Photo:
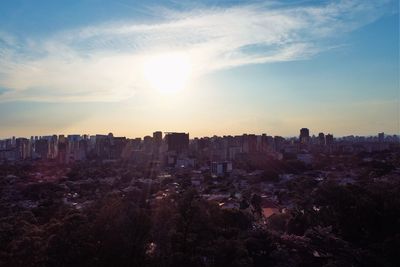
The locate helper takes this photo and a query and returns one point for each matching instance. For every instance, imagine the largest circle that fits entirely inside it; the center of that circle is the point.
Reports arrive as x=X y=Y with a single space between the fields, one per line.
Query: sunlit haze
x=168 y=72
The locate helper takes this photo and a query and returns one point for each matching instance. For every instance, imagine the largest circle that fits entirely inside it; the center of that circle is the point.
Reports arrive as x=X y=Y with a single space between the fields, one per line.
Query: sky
x=203 y=67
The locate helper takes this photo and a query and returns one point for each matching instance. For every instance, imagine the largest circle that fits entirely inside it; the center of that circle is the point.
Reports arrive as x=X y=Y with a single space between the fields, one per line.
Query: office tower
x=22 y=148
x=157 y=137
x=42 y=148
x=53 y=147
x=83 y=149
x=304 y=136
x=103 y=146
x=136 y=143
x=249 y=143
x=321 y=139
x=118 y=147
x=62 y=149
x=329 y=139
x=177 y=142
x=73 y=146
x=157 y=142
x=264 y=142
x=147 y=143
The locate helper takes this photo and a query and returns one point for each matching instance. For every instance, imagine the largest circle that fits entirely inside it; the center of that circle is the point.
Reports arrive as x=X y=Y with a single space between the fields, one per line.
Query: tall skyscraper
x=329 y=139
x=249 y=144
x=23 y=148
x=147 y=143
x=304 y=136
x=321 y=139
x=177 y=142
x=62 y=149
x=42 y=148
x=157 y=137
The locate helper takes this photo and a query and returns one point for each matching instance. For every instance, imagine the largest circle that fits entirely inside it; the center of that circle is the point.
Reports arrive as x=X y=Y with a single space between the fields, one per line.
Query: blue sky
x=259 y=66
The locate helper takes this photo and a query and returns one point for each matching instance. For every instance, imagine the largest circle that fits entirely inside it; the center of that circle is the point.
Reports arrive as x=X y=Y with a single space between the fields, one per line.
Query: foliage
x=329 y=225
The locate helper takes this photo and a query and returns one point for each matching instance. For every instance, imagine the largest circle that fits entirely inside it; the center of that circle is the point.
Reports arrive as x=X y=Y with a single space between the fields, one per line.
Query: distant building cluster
x=178 y=150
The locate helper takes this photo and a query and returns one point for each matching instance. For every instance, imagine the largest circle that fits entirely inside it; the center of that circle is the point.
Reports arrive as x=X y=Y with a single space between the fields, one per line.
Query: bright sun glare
x=168 y=72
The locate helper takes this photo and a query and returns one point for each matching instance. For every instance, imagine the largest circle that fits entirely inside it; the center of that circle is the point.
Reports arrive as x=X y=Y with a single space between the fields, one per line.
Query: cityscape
x=274 y=193
x=173 y=149
x=200 y=133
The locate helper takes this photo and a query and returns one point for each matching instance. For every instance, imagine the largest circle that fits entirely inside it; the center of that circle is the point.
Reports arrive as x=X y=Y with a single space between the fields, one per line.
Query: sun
x=168 y=72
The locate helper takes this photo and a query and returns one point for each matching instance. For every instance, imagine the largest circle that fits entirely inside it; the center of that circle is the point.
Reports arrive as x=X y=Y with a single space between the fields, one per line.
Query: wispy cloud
x=105 y=62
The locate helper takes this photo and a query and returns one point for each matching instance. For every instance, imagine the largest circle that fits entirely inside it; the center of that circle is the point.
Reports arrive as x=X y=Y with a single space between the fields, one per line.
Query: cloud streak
x=105 y=62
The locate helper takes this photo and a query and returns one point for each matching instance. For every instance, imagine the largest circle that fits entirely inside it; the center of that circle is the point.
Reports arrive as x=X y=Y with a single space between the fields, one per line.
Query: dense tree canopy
x=330 y=224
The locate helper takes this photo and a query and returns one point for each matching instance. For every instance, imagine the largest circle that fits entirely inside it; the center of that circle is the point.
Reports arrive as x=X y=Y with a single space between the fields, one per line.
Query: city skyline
x=314 y=134
x=204 y=67
x=180 y=150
